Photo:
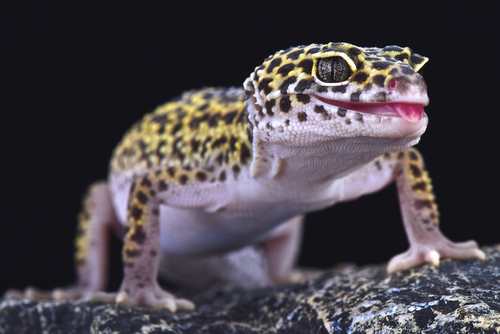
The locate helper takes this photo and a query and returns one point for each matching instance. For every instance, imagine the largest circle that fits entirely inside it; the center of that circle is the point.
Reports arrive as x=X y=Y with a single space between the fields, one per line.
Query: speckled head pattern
x=339 y=83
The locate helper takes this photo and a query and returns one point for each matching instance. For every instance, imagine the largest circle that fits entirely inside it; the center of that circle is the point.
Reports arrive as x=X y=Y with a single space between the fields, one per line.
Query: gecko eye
x=333 y=69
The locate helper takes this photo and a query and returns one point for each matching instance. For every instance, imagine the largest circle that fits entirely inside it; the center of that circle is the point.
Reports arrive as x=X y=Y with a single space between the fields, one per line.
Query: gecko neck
x=319 y=161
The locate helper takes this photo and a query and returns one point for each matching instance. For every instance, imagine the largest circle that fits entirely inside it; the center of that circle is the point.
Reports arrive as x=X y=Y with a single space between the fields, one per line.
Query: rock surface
x=456 y=297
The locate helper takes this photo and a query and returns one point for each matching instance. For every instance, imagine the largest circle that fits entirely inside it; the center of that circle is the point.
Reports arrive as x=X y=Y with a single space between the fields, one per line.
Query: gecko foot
x=152 y=296
x=73 y=292
x=432 y=252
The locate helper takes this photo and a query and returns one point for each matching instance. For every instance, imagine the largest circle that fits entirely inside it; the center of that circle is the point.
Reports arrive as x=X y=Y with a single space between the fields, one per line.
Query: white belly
x=245 y=211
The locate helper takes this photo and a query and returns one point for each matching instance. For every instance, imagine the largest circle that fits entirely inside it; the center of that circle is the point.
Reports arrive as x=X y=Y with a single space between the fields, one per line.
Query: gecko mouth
x=412 y=112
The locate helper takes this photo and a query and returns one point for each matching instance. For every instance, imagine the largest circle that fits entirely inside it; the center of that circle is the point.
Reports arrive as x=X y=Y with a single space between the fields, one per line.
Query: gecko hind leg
x=95 y=221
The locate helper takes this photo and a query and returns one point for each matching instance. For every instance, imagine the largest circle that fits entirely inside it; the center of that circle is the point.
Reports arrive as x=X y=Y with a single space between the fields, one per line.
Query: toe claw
x=184 y=304
x=433 y=258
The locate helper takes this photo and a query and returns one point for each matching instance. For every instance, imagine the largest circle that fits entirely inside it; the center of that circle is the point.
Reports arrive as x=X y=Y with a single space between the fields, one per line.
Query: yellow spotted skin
x=410 y=169
x=204 y=129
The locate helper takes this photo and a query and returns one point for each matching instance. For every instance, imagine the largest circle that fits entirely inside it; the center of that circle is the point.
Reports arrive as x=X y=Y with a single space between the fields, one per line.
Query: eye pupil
x=333 y=69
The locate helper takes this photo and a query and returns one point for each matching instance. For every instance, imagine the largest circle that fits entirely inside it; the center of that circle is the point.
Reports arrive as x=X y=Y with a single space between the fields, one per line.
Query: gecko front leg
x=141 y=248
x=421 y=218
x=418 y=207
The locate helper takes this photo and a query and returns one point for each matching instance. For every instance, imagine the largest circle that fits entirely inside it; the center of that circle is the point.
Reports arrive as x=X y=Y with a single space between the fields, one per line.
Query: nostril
x=392 y=84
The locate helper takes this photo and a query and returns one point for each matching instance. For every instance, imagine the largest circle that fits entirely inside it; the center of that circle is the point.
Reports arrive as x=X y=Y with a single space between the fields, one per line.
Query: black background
x=76 y=76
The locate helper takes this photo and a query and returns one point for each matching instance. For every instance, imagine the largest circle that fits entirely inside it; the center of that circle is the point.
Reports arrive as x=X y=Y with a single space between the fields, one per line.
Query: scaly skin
x=205 y=175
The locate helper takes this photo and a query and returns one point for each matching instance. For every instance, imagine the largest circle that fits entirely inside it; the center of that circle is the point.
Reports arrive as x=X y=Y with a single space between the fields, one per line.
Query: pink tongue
x=409 y=111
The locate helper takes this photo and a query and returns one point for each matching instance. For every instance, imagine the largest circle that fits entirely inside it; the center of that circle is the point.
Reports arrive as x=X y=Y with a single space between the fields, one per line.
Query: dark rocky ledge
x=456 y=297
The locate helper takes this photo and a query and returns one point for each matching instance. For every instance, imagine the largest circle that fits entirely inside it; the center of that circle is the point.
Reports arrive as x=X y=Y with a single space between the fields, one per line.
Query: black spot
x=152 y=193
x=219 y=142
x=360 y=77
x=276 y=62
x=339 y=89
x=140 y=285
x=220 y=158
x=415 y=171
x=348 y=121
x=407 y=70
x=139 y=236
x=381 y=65
x=222 y=176
x=162 y=185
x=378 y=165
x=207 y=95
x=269 y=106
x=392 y=48
x=307 y=65
x=379 y=80
x=393 y=71
x=136 y=213
x=354 y=51
x=419 y=186
x=341 y=112
x=303 y=85
x=171 y=171
x=304 y=98
x=423 y=203
x=285 y=69
x=183 y=179
x=236 y=169
x=401 y=155
x=176 y=128
x=229 y=117
x=249 y=133
x=232 y=143
x=319 y=109
x=313 y=50
x=132 y=253
x=264 y=85
x=153 y=252
x=141 y=197
x=195 y=122
x=195 y=145
x=401 y=57
x=294 y=55
x=355 y=97
x=302 y=116
x=176 y=149
x=200 y=176
x=212 y=122
x=321 y=89
x=416 y=59
x=145 y=182
x=286 y=83
x=203 y=107
x=285 y=104
x=426 y=221
x=358 y=117
x=413 y=155
x=159 y=119
x=380 y=97
x=244 y=154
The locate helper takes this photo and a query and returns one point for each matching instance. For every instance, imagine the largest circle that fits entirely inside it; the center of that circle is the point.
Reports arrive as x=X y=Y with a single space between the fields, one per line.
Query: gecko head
x=335 y=91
